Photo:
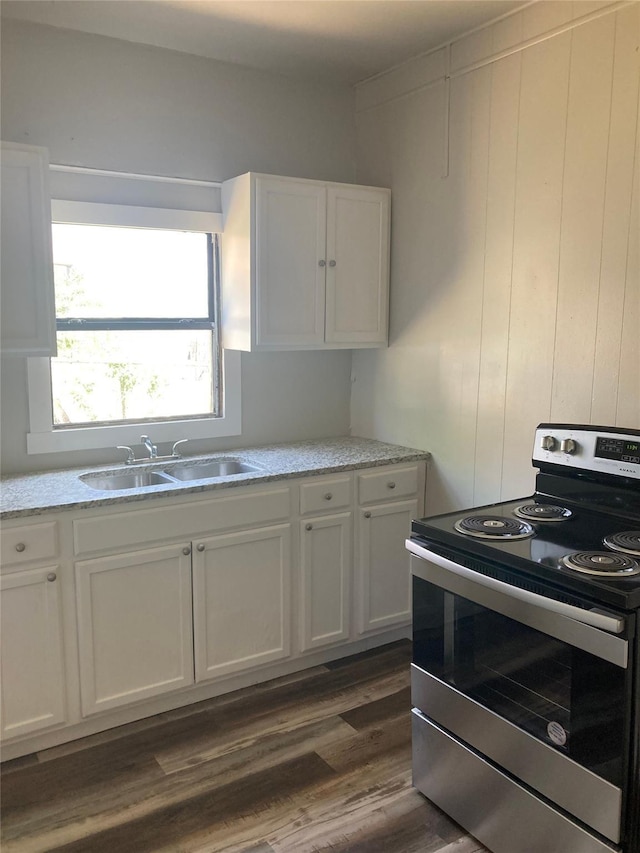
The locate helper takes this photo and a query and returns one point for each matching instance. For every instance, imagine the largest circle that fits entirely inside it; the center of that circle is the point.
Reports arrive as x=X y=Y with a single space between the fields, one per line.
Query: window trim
x=43 y=437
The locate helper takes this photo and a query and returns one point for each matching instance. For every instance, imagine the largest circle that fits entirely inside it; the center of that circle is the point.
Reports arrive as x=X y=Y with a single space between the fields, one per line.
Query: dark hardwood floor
x=316 y=761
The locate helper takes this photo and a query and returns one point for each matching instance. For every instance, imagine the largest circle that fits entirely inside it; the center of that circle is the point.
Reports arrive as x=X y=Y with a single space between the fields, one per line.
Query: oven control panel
x=603 y=449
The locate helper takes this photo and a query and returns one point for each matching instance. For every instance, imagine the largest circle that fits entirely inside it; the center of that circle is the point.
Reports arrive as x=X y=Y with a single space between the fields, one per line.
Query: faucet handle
x=131 y=458
x=173 y=449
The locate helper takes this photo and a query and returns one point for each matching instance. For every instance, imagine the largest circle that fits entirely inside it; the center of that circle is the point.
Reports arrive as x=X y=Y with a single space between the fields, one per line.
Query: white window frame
x=43 y=437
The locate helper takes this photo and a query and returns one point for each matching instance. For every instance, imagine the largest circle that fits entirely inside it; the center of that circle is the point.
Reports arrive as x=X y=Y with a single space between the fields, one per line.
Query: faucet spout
x=152 y=448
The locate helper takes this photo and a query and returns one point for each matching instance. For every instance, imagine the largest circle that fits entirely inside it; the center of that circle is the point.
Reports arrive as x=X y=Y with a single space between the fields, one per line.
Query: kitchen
x=514 y=211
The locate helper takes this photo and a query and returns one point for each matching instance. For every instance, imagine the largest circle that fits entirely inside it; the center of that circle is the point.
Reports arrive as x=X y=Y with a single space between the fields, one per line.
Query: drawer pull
x=328 y=496
x=51 y=577
x=391 y=484
x=186 y=550
x=20 y=547
x=308 y=527
x=367 y=515
x=200 y=547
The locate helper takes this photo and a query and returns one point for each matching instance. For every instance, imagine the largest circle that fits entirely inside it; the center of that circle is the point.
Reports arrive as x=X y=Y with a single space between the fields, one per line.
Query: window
x=137 y=306
x=136 y=325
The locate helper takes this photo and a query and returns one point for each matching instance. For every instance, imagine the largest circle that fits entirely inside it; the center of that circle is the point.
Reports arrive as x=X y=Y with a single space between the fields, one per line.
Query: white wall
x=108 y=104
x=515 y=280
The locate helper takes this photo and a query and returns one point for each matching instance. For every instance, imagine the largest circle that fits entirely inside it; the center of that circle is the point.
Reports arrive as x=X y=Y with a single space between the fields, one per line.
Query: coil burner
x=602 y=563
x=627 y=542
x=543 y=512
x=493 y=527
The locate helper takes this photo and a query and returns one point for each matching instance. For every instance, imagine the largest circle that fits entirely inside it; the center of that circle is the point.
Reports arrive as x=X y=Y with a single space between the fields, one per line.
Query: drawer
x=325 y=495
x=237 y=508
x=28 y=543
x=388 y=484
x=469 y=789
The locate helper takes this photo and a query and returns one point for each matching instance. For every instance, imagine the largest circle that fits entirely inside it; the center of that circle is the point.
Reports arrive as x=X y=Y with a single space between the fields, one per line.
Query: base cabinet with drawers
x=382 y=565
x=171 y=601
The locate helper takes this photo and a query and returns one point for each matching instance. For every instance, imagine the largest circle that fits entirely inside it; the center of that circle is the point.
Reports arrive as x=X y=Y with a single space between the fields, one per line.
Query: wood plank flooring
x=316 y=761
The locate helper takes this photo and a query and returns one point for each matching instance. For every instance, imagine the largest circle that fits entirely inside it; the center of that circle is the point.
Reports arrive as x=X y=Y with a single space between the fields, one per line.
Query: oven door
x=537 y=686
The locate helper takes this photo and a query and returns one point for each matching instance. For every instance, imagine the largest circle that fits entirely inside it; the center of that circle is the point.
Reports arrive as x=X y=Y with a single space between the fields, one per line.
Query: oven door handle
x=594 y=631
x=596 y=618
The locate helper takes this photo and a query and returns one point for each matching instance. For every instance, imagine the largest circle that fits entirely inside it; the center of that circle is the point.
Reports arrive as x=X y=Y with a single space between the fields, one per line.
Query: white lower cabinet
x=134 y=626
x=31 y=659
x=325 y=572
x=382 y=565
x=245 y=583
x=241 y=606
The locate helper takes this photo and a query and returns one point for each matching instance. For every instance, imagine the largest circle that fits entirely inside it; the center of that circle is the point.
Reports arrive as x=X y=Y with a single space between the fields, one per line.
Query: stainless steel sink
x=125 y=480
x=211 y=470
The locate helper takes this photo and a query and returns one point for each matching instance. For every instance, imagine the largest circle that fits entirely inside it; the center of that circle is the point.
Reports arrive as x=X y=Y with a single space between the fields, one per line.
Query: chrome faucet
x=152 y=448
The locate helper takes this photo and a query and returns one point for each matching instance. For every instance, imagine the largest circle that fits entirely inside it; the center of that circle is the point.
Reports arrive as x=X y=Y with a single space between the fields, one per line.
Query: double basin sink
x=178 y=473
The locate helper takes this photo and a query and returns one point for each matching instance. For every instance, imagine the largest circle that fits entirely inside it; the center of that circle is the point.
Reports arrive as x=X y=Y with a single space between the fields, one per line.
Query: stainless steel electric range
x=526 y=656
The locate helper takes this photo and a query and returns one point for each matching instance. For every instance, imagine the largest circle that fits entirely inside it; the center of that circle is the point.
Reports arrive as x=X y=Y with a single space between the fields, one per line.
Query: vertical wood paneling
x=457 y=370
x=505 y=104
x=616 y=231
x=541 y=141
x=583 y=189
x=628 y=411
x=515 y=284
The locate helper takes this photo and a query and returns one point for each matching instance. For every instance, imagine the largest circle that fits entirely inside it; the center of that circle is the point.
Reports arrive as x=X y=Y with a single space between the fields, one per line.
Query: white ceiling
x=338 y=41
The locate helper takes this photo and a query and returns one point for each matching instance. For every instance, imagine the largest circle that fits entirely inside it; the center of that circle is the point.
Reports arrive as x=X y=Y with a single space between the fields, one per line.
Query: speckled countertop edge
x=50 y=491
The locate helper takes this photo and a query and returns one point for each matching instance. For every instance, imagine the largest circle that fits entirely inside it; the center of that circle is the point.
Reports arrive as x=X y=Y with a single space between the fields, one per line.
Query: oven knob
x=548 y=442
x=568 y=445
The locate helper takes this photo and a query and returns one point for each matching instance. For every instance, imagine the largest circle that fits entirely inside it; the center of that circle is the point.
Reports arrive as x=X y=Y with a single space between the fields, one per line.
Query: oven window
x=561 y=695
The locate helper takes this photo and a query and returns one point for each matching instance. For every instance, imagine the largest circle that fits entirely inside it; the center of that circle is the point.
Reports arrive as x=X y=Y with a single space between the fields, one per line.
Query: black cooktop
x=541 y=554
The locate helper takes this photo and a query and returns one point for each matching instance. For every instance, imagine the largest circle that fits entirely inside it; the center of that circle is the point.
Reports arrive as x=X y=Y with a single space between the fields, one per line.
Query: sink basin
x=210 y=470
x=125 y=480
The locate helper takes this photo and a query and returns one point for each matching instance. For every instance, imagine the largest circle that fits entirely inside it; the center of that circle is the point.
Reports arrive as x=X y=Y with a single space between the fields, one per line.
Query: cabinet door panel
x=324 y=593
x=357 y=265
x=33 y=687
x=384 y=572
x=290 y=243
x=135 y=626
x=27 y=303
x=241 y=600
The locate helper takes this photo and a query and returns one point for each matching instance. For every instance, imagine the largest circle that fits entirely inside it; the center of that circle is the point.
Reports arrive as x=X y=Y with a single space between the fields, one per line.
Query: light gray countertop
x=48 y=491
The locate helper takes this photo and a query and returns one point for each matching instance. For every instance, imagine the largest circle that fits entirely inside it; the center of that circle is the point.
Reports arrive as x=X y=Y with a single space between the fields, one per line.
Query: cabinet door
x=324 y=593
x=135 y=626
x=357 y=287
x=27 y=304
x=33 y=684
x=384 y=574
x=241 y=600
x=290 y=262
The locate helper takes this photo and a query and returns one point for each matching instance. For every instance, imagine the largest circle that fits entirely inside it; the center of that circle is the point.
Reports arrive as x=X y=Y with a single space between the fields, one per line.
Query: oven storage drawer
x=589 y=798
x=496 y=810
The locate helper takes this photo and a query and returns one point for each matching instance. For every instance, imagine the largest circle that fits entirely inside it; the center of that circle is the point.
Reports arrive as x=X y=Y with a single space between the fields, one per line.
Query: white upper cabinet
x=28 y=313
x=305 y=264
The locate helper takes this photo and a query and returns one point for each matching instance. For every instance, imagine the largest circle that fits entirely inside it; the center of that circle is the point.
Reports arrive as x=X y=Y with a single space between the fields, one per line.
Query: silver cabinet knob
x=391 y=485
x=367 y=515
x=548 y=442
x=200 y=547
x=322 y=263
x=20 y=547
x=308 y=527
x=328 y=496
x=186 y=550
x=568 y=445
x=51 y=577
x=332 y=263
